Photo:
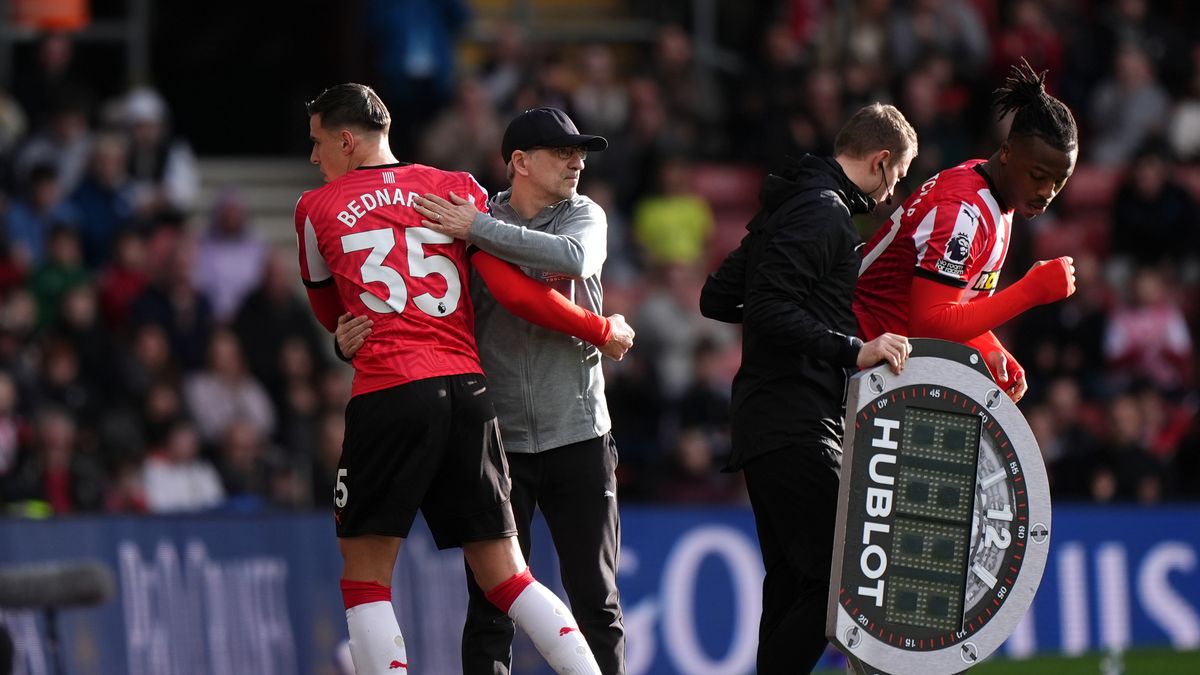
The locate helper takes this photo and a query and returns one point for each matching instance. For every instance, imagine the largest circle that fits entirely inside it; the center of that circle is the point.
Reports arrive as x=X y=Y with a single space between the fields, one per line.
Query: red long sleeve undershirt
x=937 y=310
x=531 y=300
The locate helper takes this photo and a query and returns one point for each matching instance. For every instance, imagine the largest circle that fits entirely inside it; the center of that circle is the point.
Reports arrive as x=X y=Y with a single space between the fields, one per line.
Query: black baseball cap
x=545 y=128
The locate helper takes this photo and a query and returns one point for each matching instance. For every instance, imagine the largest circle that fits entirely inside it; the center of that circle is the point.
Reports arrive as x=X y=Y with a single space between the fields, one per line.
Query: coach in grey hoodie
x=548 y=387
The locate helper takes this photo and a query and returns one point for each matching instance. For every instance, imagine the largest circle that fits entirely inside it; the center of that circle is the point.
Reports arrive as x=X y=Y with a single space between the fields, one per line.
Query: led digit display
x=935 y=477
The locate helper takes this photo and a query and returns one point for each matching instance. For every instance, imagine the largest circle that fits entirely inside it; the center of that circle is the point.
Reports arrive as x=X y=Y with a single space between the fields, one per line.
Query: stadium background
x=153 y=333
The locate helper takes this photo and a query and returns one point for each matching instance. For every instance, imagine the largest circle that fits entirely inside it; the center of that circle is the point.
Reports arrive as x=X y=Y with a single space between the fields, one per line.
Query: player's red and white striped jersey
x=954 y=230
x=361 y=234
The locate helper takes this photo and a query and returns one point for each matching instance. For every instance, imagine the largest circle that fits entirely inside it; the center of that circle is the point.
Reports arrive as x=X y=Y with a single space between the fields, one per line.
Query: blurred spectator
x=600 y=102
x=225 y=392
x=1148 y=336
x=508 y=65
x=1127 y=108
x=65 y=142
x=773 y=94
x=466 y=137
x=1183 y=128
x=1061 y=426
x=123 y=279
x=413 y=45
x=177 y=479
x=693 y=101
x=31 y=217
x=1067 y=337
x=325 y=462
x=230 y=257
x=1154 y=218
x=13 y=127
x=951 y=27
x=80 y=326
x=669 y=327
x=693 y=478
x=244 y=466
x=56 y=473
x=55 y=74
x=704 y=405
x=61 y=271
x=127 y=490
x=146 y=361
x=103 y=204
x=13 y=429
x=272 y=316
x=1028 y=34
x=162 y=167
x=64 y=386
x=171 y=301
x=1126 y=471
x=943 y=137
x=673 y=226
x=18 y=357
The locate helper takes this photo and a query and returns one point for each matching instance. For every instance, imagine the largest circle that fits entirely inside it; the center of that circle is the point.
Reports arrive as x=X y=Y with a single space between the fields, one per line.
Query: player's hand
x=890 y=348
x=621 y=339
x=452 y=217
x=1052 y=279
x=1008 y=374
x=351 y=332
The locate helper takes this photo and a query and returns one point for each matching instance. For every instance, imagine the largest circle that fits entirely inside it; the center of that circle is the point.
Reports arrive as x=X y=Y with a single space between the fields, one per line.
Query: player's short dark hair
x=876 y=127
x=350 y=105
x=1036 y=112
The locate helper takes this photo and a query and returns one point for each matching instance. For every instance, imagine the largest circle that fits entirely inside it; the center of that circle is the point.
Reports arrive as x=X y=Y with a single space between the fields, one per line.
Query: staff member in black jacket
x=790 y=283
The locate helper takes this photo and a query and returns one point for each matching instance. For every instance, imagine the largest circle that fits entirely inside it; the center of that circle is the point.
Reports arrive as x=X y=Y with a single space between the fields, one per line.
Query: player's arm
x=793 y=263
x=577 y=248
x=936 y=308
x=314 y=272
x=538 y=303
x=724 y=293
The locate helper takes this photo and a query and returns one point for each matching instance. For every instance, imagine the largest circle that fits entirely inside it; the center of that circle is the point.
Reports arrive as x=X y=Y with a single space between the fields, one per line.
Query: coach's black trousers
x=575 y=487
x=793 y=492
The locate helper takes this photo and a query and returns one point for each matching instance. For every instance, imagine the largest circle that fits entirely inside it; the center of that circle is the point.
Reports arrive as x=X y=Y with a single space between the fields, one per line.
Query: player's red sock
x=376 y=645
x=548 y=623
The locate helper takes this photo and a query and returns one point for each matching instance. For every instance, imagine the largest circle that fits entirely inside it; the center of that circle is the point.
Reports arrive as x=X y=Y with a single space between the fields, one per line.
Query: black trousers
x=793 y=492
x=575 y=487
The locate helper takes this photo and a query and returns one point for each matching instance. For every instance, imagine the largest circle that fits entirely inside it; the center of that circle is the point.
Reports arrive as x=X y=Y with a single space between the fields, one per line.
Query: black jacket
x=790 y=283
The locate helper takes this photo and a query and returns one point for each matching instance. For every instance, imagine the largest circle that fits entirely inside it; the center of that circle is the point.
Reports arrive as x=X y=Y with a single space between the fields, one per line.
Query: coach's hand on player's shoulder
x=1054 y=279
x=621 y=339
x=887 y=348
x=451 y=217
x=352 y=332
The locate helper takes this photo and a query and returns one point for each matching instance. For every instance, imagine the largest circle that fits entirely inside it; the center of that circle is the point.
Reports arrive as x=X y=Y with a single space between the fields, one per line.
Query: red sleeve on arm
x=537 y=303
x=326 y=305
x=937 y=309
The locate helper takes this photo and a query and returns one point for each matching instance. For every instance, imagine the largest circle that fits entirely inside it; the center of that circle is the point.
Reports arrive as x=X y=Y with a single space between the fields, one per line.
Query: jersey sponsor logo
x=987 y=281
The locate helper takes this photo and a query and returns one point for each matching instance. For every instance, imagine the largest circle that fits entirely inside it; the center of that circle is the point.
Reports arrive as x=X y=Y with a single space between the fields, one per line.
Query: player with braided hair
x=932 y=271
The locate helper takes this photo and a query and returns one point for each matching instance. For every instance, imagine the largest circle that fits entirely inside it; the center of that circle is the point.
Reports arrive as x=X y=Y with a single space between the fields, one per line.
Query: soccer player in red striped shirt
x=932 y=271
x=420 y=427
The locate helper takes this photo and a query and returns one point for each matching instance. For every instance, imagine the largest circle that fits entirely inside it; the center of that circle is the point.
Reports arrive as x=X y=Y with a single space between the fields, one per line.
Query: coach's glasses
x=566 y=153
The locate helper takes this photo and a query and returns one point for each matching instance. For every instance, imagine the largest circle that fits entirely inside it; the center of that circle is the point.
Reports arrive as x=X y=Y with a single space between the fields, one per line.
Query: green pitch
x=1136 y=662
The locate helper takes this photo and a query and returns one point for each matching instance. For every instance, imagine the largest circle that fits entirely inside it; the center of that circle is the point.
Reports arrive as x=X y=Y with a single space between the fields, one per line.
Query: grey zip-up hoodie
x=548 y=388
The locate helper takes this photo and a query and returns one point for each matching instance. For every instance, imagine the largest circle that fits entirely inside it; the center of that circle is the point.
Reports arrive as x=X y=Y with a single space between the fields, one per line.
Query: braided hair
x=1037 y=113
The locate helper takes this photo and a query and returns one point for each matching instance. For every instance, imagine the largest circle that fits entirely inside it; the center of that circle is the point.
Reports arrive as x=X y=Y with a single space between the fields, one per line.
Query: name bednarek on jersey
x=369 y=201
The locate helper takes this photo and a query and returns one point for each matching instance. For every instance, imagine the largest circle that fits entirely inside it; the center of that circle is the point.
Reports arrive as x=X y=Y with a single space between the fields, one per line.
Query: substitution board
x=943 y=524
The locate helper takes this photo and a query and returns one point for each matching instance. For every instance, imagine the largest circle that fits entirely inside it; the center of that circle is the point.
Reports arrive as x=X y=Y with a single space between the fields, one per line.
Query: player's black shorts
x=431 y=445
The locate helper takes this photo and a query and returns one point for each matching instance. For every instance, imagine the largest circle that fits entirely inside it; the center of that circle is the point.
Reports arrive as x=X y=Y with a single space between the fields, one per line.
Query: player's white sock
x=548 y=623
x=376 y=645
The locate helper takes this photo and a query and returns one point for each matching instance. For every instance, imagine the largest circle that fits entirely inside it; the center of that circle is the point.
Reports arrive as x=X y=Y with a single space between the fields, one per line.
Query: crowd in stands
x=151 y=361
